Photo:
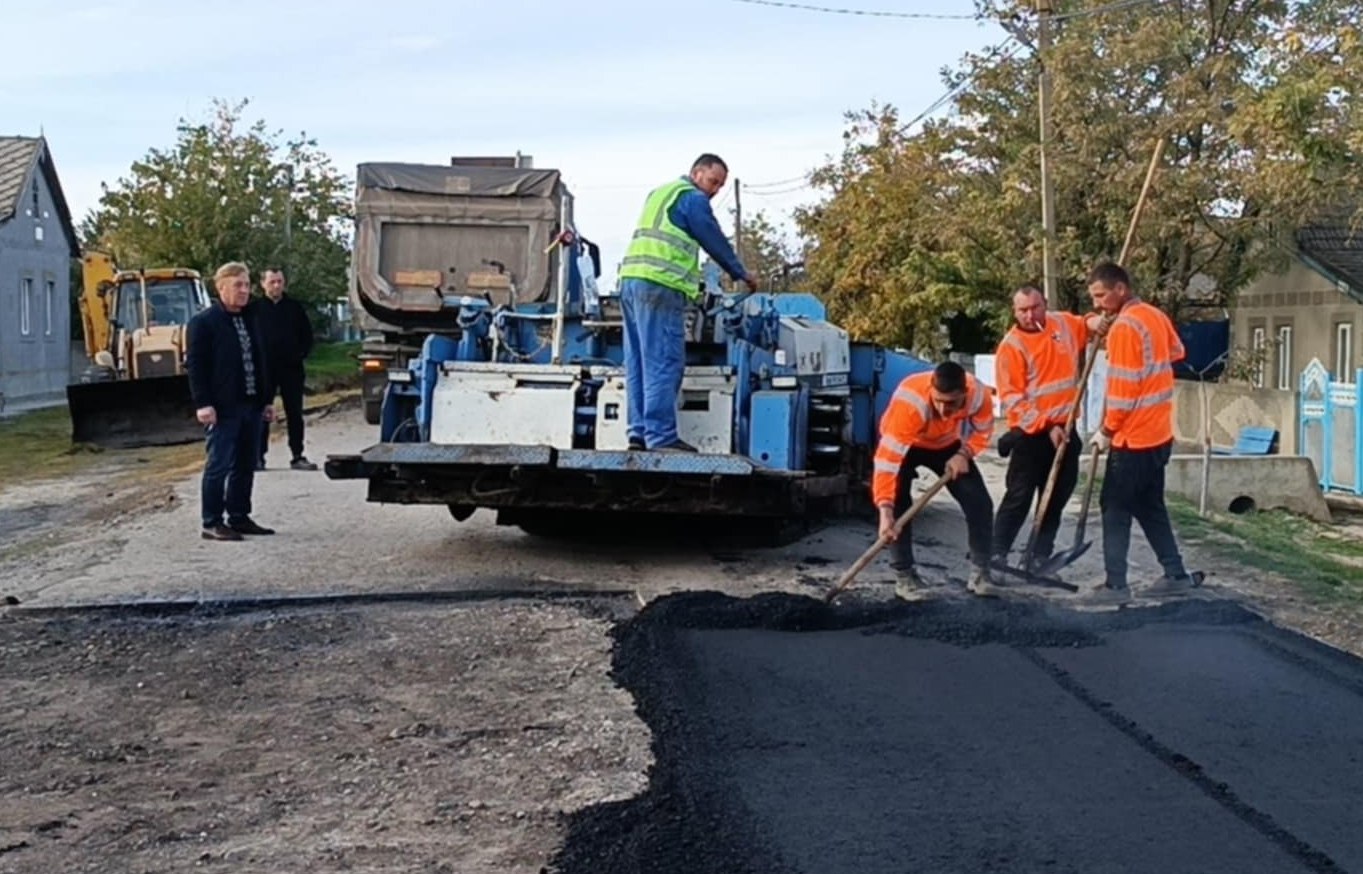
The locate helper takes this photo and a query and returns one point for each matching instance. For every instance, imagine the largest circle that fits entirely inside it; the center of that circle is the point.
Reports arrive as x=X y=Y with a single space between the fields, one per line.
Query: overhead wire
x=994 y=54
x=871 y=13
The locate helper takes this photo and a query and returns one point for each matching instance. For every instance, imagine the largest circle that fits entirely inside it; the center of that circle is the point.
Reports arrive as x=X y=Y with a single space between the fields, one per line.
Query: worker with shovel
x=1037 y=366
x=1137 y=433
x=941 y=420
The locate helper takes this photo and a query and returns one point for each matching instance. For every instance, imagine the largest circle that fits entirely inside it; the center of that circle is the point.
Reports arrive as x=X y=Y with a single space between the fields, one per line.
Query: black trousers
x=969 y=491
x=1029 y=465
x=1133 y=488
x=290 y=389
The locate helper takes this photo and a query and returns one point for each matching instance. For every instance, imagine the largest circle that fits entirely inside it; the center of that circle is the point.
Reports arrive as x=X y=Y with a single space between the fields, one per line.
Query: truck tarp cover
x=424 y=217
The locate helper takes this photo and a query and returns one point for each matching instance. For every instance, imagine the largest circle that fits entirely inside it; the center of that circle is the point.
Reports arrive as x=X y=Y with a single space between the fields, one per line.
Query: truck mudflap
x=542 y=477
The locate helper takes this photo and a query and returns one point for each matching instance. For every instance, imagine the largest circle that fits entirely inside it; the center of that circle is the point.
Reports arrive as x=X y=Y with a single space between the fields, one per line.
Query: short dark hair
x=949 y=377
x=1109 y=273
x=709 y=160
x=1028 y=289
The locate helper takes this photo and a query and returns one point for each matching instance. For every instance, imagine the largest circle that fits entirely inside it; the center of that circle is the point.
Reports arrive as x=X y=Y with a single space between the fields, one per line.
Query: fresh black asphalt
x=980 y=736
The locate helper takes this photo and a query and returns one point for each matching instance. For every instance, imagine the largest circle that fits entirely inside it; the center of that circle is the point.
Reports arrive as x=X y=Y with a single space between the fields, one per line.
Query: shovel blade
x=1055 y=563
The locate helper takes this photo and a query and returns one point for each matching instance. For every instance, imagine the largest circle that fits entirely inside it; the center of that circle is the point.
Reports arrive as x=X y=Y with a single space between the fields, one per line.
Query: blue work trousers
x=229 y=472
x=655 y=356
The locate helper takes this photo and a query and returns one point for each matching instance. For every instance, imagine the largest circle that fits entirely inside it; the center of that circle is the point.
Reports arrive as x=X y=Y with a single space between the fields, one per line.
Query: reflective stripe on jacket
x=910 y=420
x=1038 y=371
x=660 y=252
x=1142 y=347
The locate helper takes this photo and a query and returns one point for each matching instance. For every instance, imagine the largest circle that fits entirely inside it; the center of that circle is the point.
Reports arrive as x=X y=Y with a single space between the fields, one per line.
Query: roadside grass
x=37 y=445
x=1325 y=563
x=333 y=366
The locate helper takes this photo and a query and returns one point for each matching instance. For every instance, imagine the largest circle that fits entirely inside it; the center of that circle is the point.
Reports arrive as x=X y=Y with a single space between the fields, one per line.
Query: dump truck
x=135 y=390
x=385 y=346
x=516 y=402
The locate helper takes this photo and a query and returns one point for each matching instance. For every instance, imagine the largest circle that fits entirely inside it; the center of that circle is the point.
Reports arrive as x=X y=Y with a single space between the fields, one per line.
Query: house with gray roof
x=1313 y=309
x=37 y=244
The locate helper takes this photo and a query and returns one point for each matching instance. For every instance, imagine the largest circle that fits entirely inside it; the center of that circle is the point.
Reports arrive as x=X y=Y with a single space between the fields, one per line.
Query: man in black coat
x=288 y=341
x=228 y=379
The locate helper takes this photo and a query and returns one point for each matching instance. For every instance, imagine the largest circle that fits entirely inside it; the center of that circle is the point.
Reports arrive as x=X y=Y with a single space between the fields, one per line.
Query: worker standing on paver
x=941 y=420
x=659 y=274
x=1037 y=368
x=1137 y=432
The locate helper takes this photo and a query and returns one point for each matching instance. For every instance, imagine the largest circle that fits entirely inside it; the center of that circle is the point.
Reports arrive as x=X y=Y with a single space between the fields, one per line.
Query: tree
x=1251 y=97
x=228 y=193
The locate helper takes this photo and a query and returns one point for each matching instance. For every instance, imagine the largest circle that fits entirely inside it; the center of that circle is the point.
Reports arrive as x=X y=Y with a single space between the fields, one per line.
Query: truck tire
x=372 y=411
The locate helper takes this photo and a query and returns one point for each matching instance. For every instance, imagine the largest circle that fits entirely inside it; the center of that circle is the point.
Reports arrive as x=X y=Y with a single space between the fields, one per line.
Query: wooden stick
x=881 y=542
x=1046 y=493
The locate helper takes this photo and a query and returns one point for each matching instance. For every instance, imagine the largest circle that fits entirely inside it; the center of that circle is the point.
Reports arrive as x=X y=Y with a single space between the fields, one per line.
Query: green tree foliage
x=1251 y=97
x=222 y=193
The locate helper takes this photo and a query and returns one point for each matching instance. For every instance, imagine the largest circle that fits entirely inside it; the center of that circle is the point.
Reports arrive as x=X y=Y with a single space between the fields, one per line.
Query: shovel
x=1053 y=564
x=881 y=542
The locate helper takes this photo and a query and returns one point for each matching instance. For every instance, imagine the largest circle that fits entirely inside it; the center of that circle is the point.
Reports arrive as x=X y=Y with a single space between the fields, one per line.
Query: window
x=1259 y=339
x=49 y=295
x=1285 y=358
x=25 y=306
x=1344 y=352
x=37 y=214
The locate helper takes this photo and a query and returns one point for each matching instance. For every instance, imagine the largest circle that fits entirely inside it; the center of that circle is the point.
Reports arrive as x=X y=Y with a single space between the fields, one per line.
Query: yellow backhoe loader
x=135 y=391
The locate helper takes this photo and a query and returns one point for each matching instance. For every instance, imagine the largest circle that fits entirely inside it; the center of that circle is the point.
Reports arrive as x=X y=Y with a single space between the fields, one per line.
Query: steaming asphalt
x=981 y=737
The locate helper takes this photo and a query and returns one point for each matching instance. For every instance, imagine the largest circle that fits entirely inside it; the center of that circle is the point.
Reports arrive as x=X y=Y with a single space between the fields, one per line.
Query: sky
x=619 y=96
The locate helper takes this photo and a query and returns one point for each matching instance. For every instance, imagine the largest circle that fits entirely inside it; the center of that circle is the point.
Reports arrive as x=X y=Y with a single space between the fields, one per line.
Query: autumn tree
x=229 y=192
x=1252 y=99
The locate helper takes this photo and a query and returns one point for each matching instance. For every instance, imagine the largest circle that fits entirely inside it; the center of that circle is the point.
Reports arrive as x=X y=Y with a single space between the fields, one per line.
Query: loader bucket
x=124 y=414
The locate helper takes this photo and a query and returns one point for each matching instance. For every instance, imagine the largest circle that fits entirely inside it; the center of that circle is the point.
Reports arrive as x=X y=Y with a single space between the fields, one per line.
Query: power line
x=938 y=16
x=778 y=192
x=778 y=183
x=937 y=104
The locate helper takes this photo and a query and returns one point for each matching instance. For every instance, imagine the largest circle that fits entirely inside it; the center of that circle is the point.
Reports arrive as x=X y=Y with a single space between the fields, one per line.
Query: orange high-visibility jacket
x=1142 y=347
x=1038 y=372
x=910 y=420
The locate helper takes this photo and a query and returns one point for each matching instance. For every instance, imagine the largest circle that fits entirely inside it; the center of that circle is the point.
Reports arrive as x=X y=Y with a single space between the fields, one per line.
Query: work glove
x=1102 y=441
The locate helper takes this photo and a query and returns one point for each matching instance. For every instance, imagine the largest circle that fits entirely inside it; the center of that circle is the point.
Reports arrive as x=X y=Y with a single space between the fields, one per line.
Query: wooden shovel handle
x=881 y=542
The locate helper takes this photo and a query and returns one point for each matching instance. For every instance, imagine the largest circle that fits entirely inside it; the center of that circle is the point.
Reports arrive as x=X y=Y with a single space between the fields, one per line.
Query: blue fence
x=1330 y=428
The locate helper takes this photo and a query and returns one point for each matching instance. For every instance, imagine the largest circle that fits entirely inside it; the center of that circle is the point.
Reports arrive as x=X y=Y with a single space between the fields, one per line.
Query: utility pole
x=1043 y=45
x=738 y=219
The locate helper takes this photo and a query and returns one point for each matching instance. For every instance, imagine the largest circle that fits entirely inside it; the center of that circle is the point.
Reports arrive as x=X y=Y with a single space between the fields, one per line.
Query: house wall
x=35 y=362
x=1313 y=308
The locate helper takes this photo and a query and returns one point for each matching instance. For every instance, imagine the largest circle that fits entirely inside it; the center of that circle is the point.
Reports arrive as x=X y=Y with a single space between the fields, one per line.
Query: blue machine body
x=791 y=404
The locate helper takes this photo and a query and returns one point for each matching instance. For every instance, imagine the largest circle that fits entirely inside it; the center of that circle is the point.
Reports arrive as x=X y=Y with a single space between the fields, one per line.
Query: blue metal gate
x=1330 y=428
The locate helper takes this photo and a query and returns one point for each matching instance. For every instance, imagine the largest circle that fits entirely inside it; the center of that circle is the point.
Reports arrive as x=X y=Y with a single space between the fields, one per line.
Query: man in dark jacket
x=228 y=379
x=288 y=341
